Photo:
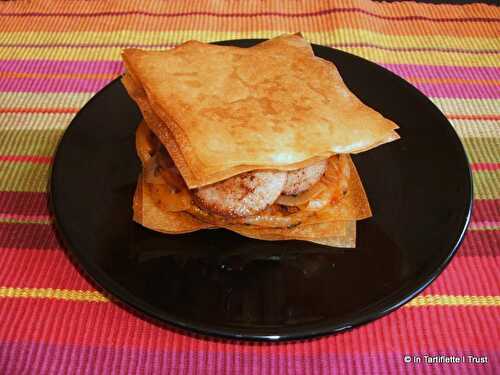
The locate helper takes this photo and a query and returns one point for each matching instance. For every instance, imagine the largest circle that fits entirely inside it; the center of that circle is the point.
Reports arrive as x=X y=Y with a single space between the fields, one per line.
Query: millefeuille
x=255 y=140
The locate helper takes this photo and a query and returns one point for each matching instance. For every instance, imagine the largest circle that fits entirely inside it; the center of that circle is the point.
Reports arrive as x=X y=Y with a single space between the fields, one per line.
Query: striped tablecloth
x=55 y=55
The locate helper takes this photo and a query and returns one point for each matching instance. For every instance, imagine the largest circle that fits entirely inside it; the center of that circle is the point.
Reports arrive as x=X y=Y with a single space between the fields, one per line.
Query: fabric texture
x=55 y=55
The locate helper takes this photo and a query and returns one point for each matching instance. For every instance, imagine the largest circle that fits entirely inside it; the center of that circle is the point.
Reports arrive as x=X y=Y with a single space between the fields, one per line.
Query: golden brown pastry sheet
x=226 y=110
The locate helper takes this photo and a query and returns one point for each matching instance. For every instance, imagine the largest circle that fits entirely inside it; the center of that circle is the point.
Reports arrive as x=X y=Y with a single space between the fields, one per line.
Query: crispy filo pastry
x=148 y=213
x=164 y=203
x=221 y=111
x=213 y=113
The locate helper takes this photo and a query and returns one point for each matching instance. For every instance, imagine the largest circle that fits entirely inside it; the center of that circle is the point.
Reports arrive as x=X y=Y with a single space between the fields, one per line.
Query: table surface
x=55 y=55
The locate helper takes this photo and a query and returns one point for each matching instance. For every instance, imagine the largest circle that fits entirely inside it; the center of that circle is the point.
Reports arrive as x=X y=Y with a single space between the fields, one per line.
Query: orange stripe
x=249 y=24
x=253 y=14
x=56 y=75
x=255 y=6
x=321 y=23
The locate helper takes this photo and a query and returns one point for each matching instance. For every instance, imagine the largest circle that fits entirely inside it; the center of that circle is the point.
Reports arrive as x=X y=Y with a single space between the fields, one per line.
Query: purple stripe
x=116 y=67
x=170 y=45
x=253 y=14
x=440 y=71
x=52 y=85
x=93 y=85
x=31 y=357
x=61 y=66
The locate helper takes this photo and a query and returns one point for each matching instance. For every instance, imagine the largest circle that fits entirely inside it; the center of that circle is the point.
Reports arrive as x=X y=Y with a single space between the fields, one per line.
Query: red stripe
x=473 y=117
x=26 y=158
x=471 y=275
x=253 y=14
x=480 y=242
x=32 y=268
x=107 y=324
x=42 y=236
x=485 y=166
x=485 y=210
x=35 y=204
x=28 y=236
x=23 y=203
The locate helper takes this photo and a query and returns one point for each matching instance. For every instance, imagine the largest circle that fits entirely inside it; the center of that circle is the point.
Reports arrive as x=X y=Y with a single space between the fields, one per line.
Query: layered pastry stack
x=254 y=140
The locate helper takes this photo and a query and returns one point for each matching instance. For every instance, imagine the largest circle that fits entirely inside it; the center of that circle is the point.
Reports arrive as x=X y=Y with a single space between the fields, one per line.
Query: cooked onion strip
x=169 y=200
x=146 y=142
x=318 y=202
x=151 y=172
x=306 y=196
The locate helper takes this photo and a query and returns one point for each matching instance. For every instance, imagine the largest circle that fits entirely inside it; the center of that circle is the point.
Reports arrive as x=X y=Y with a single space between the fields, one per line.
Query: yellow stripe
x=444 y=300
x=423 y=58
x=474 y=226
x=39 y=121
x=110 y=76
x=44 y=100
x=94 y=296
x=468 y=106
x=64 y=294
x=77 y=100
x=25 y=221
x=381 y=57
x=476 y=128
x=340 y=35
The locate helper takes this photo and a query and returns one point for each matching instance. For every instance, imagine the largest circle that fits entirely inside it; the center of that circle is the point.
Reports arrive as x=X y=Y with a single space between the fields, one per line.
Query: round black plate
x=218 y=283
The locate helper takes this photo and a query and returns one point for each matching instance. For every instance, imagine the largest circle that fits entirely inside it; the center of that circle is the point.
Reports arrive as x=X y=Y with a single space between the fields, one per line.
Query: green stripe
x=42 y=142
x=19 y=176
x=482 y=150
x=24 y=177
x=486 y=184
x=34 y=177
x=32 y=142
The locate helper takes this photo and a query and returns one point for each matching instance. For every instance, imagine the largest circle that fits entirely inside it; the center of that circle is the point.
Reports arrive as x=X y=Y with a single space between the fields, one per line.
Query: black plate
x=219 y=283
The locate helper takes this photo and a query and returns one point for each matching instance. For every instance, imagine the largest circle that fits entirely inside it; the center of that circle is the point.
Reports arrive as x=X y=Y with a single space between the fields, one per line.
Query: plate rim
x=117 y=294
